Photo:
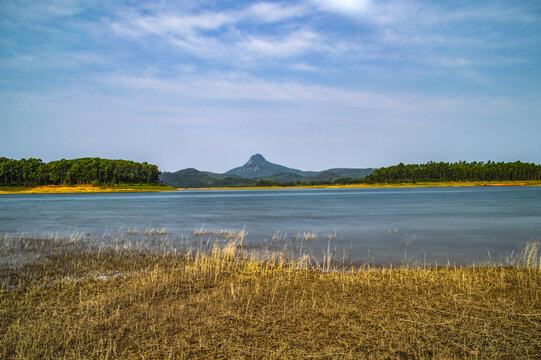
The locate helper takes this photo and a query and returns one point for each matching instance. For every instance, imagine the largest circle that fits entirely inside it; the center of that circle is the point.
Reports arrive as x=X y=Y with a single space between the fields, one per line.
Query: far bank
x=382 y=185
x=112 y=188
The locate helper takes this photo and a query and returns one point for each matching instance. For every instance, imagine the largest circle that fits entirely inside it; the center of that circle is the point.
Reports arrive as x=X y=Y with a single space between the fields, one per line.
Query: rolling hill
x=255 y=170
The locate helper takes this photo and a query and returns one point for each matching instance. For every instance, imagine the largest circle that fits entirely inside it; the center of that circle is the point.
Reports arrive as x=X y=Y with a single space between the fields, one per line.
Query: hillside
x=257 y=169
x=193 y=178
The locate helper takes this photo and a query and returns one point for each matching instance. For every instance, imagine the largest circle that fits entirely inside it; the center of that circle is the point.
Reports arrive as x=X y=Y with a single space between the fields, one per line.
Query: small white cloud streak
x=344 y=7
x=292 y=44
x=303 y=67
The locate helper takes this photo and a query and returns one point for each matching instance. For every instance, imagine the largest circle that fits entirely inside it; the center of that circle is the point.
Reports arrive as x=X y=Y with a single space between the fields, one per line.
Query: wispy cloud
x=238 y=87
x=303 y=67
x=344 y=7
x=401 y=11
x=292 y=44
x=180 y=24
x=197 y=33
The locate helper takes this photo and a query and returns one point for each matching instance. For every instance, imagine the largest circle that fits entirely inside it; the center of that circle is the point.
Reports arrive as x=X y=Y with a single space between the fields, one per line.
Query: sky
x=311 y=84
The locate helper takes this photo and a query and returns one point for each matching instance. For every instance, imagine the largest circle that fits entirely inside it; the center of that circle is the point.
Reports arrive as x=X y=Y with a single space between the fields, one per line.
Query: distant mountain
x=257 y=169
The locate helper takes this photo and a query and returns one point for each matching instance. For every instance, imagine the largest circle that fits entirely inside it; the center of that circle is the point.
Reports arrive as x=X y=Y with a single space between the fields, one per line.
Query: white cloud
x=182 y=23
x=303 y=67
x=417 y=12
x=290 y=45
x=408 y=30
x=344 y=7
x=221 y=34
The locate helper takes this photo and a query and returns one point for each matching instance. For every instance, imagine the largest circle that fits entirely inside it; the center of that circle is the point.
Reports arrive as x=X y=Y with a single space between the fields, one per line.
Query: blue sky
x=309 y=84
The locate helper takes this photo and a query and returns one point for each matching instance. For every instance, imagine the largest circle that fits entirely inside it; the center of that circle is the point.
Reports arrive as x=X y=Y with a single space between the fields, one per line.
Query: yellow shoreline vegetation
x=385 y=185
x=122 y=304
x=89 y=188
x=86 y=188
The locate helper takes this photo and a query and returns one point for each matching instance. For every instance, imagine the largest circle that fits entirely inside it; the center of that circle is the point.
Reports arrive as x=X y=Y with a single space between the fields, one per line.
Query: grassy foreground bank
x=84 y=188
x=386 y=185
x=124 y=304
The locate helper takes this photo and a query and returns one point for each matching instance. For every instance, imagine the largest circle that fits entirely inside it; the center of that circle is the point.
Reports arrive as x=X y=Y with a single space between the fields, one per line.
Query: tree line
x=32 y=172
x=458 y=171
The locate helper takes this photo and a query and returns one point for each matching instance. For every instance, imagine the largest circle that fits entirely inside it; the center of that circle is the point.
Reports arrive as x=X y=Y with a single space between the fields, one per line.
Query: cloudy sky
x=309 y=84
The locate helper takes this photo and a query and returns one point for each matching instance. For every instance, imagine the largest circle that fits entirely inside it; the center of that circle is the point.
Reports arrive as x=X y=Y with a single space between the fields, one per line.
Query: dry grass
x=387 y=185
x=116 y=303
x=222 y=233
x=85 y=188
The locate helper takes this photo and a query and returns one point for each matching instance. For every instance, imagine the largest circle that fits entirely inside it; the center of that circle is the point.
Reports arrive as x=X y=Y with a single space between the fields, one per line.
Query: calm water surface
x=460 y=225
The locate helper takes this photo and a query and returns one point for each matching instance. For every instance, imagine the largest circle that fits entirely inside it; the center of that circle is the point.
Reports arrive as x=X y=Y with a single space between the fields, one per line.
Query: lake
x=460 y=225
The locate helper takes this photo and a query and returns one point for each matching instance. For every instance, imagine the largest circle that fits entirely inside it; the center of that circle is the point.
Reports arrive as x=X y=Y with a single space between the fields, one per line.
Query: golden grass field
x=86 y=188
x=225 y=303
x=89 y=188
x=386 y=185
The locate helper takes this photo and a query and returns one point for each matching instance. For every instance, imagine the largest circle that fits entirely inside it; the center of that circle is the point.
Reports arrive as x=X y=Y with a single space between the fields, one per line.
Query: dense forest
x=459 y=171
x=31 y=172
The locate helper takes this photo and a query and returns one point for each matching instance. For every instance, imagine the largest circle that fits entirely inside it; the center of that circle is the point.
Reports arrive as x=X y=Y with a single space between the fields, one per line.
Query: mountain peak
x=257 y=158
x=258 y=167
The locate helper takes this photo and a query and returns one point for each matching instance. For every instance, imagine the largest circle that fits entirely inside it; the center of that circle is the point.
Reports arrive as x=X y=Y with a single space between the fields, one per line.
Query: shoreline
x=119 y=188
x=218 y=304
x=381 y=185
x=85 y=188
